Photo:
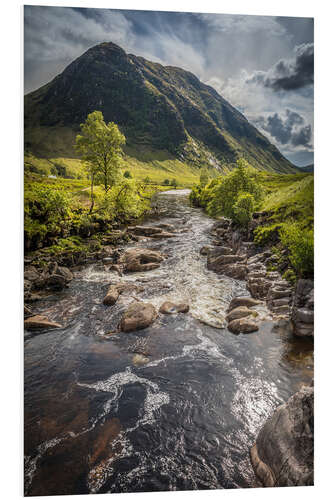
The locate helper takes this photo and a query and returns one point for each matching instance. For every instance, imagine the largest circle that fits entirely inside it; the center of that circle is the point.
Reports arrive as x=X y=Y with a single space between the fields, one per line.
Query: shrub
x=127 y=174
x=225 y=193
x=300 y=244
x=243 y=209
x=267 y=234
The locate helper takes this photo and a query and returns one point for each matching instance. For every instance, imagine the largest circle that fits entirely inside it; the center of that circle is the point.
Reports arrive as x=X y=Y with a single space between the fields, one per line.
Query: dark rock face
x=302 y=315
x=159 y=106
x=283 y=452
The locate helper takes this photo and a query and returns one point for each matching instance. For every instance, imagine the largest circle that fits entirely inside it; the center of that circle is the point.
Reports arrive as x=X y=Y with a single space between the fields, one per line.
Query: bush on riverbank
x=286 y=202
x=234 y=195
x=56 y=210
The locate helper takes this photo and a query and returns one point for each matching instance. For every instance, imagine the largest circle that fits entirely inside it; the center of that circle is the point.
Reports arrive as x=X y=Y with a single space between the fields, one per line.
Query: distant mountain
x=307 y=168
x=157 y=107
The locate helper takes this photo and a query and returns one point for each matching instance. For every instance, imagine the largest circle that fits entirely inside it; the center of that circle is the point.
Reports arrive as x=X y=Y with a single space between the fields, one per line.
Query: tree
x=243 y=209
x=99 y=145
x=174 y=183
x=226 y=191
x=127 y=174
x=166 y=182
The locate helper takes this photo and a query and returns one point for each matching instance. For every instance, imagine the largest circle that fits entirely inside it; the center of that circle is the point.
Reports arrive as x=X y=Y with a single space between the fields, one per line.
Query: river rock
x=162 y=234
x=128 y=288
x=223 y=222
x=275 y=293
x=302 y=315
x=116 y=268
x=31 y=274
x=283 y=452
x=111 y=297
x=39 y=322
x=243 y=325
x=205 y=250
x=140 y=259
x=216 y=263
x=243 y=301
x=59 y=279
x=259 y=287
x=27 y=312
x=257 y=274
x=144 y=230
x=139 y=315
x=236 y=271
x=120 y=288
x=171 y=308
x=239 y=312
x=167 y=227
x=281 y=302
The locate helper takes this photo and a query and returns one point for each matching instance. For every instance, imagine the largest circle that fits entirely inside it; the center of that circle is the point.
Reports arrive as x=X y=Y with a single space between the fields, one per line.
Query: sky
x=262 y=65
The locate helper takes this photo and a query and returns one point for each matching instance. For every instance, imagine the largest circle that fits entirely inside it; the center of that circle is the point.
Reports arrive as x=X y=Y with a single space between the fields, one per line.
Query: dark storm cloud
x=287 y=129
x=289 y=74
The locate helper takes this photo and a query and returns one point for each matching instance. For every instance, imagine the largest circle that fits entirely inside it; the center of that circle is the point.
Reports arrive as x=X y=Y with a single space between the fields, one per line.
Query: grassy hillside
x=289 y=197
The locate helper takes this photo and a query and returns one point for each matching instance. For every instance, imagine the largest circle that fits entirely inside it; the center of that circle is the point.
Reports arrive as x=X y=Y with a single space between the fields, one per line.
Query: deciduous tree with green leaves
x=100 y=147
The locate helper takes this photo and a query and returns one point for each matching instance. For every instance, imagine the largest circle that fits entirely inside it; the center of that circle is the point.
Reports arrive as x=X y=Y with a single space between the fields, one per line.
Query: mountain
x=307 y=168
x=158 y=108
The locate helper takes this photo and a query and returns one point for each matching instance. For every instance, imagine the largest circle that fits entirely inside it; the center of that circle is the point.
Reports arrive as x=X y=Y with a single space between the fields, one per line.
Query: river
x=173 y=407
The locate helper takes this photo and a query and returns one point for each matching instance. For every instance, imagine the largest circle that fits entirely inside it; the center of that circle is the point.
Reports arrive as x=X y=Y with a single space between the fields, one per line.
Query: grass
x=157 y=166
x=289 y=197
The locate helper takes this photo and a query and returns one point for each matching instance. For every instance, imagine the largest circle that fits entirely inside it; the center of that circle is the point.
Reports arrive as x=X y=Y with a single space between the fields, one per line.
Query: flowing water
x=173 y=407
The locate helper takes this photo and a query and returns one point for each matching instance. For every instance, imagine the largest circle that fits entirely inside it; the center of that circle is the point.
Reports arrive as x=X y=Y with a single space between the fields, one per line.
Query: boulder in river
x=139 y=315
x=239 y=312
x=140 y=259
x=111 y=297
x=120 y=288
x=243 y=301
x=39 y=322
x=283 y=452
x=171 y=308
x=243 y=325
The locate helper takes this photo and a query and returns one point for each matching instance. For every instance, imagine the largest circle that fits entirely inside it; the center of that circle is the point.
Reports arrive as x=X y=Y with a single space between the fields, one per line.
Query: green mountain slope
x=159 y=108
